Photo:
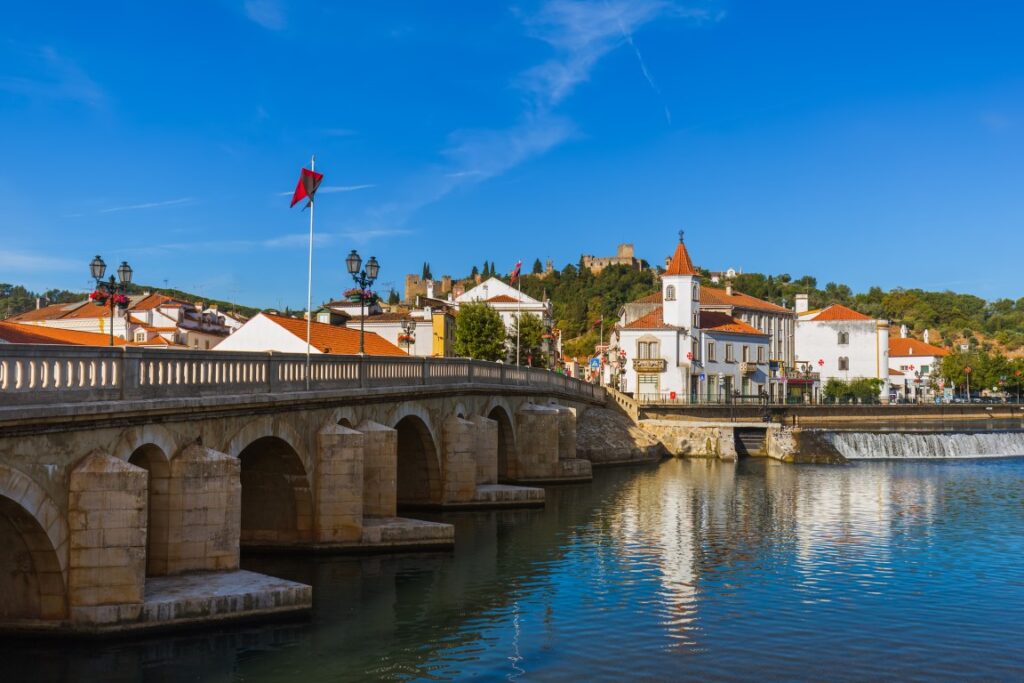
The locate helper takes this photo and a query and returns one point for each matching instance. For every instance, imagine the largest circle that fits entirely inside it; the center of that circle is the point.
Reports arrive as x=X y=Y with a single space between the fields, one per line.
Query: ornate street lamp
x=110 y=292
x=408 y=333
x=363 y=279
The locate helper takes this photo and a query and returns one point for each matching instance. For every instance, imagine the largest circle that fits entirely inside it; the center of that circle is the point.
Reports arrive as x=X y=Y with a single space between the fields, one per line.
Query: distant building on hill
x=417 y=286
x=624 y=256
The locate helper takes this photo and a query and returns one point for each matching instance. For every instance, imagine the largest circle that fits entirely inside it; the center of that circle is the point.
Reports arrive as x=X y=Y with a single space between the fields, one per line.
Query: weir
x=883 y=445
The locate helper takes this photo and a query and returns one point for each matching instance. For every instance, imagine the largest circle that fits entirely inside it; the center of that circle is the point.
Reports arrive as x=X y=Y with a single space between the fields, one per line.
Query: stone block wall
x=380 y=469
x=107 y=503
x=486 y=450
x=338 y=490
x=693 y=441
x=458 y=464
x=537 y=429
x=566 y=433
x=204 y=511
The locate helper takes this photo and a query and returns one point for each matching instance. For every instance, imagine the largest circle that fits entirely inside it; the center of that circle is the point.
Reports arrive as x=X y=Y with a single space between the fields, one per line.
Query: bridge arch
x=419 y=466
x=506 y=440
x=156 y=462
x=277 y=501
x=33 y=550
x=134 y=438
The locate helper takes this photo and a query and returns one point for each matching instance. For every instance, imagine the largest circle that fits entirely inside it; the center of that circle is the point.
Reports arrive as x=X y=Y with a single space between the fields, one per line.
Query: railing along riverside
x=36 y=374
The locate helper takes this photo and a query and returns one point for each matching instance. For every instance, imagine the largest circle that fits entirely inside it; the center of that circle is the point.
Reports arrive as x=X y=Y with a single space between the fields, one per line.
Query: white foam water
x=903 y=445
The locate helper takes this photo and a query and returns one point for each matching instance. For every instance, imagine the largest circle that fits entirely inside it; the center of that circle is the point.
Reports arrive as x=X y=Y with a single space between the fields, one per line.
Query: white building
x=842 y=344
x=914 y=360
x=151 y=319
x=669 y=348
x=272 y=332
x=510 y=303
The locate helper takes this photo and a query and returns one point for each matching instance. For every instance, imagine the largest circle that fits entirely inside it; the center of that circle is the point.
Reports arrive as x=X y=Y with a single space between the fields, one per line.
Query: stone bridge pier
x=124 y=513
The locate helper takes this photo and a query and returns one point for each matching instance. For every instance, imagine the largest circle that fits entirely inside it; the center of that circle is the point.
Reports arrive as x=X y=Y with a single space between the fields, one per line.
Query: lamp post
x=110 y=292
x=409 y=332
x=363 y=280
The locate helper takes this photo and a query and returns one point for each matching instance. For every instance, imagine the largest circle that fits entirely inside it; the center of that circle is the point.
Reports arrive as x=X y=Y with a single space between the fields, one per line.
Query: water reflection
x=689 y=569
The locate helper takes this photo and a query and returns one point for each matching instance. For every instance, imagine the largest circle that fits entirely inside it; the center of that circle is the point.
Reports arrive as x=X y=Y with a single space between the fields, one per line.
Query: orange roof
x=382 y=318
x=51 y=312
x=335 y=339
x=152 y=301
x=649 y=299
x=902 y=347
x=711 y=296
x=502 y=299
x=680 y=263
x=840 y=312
x=36 y=334
x=651 y=321
x=894 y=371
x=713 y=321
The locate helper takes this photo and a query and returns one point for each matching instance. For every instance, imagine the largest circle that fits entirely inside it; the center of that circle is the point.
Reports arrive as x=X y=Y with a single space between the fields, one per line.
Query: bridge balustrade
x=37 y=374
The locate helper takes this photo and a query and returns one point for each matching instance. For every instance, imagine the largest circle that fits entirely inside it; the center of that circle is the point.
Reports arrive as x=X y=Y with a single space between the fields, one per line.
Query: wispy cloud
x=267 y=13
x=22 y=261
x=148 y=205
x=53 y=77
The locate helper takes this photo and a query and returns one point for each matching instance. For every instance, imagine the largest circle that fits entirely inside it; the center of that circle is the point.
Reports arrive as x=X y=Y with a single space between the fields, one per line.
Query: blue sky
x=866 y=143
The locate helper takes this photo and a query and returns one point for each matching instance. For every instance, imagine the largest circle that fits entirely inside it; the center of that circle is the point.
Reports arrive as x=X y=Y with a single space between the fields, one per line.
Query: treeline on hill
x=580 y=299
x=15 y=299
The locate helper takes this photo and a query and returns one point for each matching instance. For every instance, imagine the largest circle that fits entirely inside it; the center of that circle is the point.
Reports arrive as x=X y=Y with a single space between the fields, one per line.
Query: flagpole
x=519 y=313
x=309 y=279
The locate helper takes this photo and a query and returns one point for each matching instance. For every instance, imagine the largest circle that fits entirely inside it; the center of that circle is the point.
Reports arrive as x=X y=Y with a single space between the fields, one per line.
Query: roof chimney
x=728 y=290
x=39 y=303
x=801 y=303
x=903 y=331
x=430 y=289
x=926 y=336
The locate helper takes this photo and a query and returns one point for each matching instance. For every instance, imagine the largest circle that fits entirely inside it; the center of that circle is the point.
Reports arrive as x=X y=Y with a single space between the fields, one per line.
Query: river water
x=685 y=570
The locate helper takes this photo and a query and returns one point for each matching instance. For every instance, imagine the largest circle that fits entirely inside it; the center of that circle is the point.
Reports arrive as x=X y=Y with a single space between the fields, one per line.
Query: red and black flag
x=309 y=181
x=515 y=272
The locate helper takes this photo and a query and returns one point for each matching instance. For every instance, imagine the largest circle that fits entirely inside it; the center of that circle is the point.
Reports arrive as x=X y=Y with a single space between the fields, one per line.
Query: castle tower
x=680 y=290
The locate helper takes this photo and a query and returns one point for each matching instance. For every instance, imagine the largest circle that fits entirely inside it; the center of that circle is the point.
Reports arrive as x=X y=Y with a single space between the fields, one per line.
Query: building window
x=647 y=384
x=140 y=336
x=696 y=292
x=696 y=320
x=745 y=353
x=844 y=363
x=844 y=337
x=760 y=354
x=730 y=357
x=711 y=352
x=207 y=344
x=924 y=369
x=670 y=293
x=647 y=350
x=695 y=349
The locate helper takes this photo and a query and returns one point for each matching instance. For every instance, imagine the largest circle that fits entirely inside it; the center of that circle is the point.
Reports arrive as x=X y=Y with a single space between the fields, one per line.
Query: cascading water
x=882 y=445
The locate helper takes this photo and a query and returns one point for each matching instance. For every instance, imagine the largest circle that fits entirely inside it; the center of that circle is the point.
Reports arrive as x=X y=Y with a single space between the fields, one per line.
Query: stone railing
x=38 y=374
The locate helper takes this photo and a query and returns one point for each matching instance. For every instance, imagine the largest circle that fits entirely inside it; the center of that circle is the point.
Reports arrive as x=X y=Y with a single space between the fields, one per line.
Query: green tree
x=479 y=333
x=393 y=297
x=473 y=273
x=531 y=340
x=538 y=267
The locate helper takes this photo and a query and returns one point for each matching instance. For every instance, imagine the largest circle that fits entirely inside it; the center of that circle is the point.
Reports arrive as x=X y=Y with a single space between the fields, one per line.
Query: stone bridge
x=130 y=478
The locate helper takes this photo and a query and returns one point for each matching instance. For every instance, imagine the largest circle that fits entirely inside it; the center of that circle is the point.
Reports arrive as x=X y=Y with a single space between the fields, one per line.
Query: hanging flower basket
x=406 y=338
x=353 y=295
x=98 y=297
x=120 y=300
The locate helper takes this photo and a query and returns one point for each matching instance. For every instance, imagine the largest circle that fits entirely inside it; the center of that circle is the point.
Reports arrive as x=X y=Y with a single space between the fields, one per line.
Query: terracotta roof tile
x=651 y=321
x=383 y=318
x=502 y=299
x=838 y=312
x=14 y=333
x=680 y=263
x=335 y=339
x=712 y=296
x=654 y=298
x=713 y=321
x=894 y=371
x=901 y=347
x=51 y=312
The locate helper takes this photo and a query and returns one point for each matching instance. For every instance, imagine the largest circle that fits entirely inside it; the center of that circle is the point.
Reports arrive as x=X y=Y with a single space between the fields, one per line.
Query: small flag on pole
x=515 y=272
x=309 y=181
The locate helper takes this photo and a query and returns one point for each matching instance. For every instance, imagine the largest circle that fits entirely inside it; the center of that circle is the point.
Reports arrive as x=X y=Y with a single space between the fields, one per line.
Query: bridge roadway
x=130 y=479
